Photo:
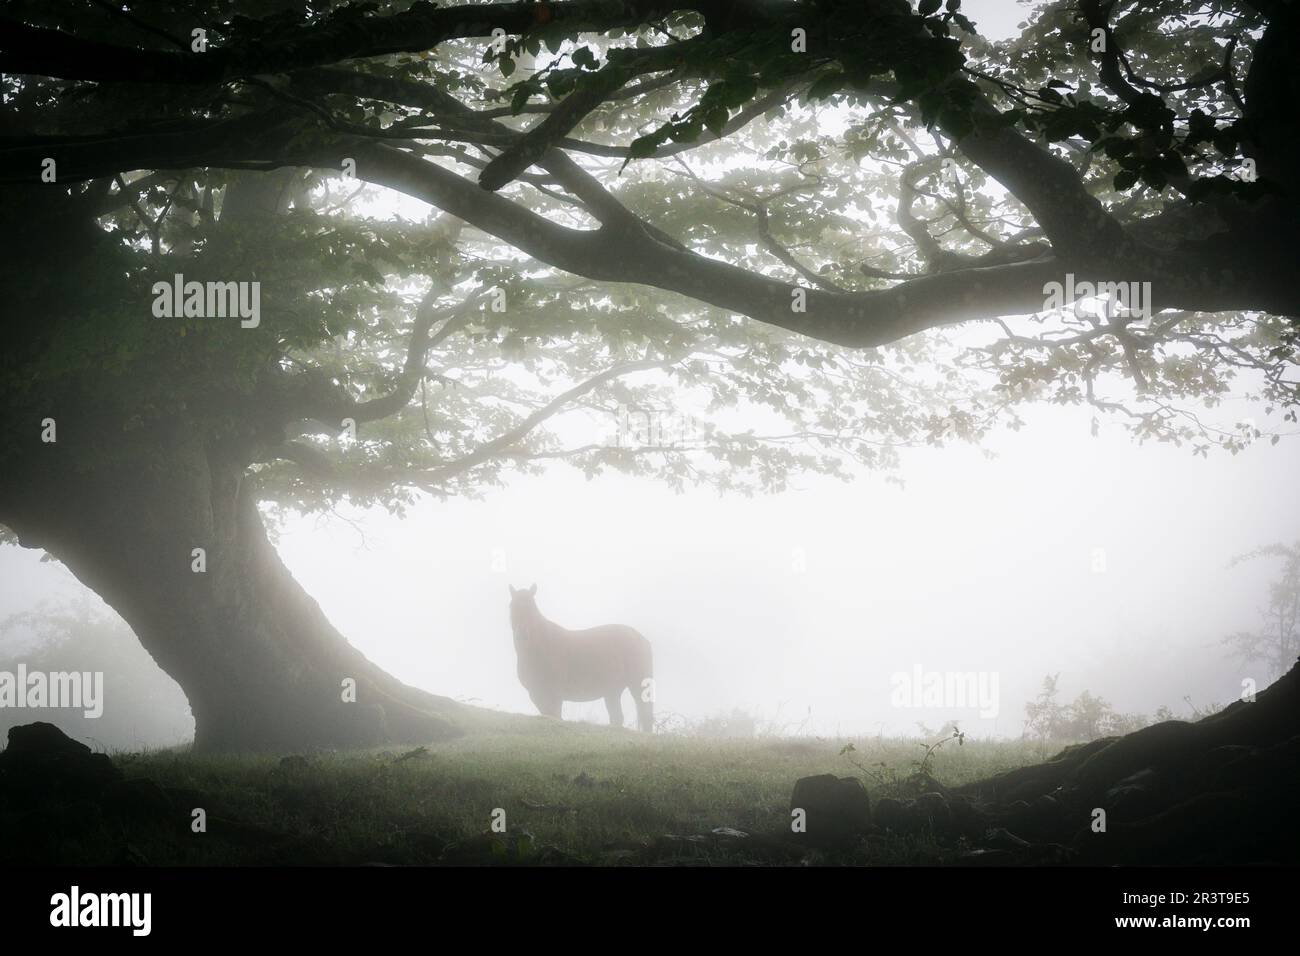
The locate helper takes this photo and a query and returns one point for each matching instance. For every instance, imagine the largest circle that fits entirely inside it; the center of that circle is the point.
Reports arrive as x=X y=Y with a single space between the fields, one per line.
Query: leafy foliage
x=1087 y=717
x=837 y=168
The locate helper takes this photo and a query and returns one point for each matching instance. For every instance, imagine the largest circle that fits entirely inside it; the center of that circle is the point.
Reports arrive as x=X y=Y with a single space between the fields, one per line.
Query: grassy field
x=571 y=793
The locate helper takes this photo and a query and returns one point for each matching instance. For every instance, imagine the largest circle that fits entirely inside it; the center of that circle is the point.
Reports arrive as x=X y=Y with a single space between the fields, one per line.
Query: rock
x=966 y=820
x=932 y=811
x=889 y=814
x=42 y=740
x=1011 y=814
x=835 y=808
x=42 y=762
x=921 y=783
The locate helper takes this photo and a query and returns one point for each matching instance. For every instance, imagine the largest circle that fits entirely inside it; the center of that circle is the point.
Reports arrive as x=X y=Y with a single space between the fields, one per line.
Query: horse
x=556 y=664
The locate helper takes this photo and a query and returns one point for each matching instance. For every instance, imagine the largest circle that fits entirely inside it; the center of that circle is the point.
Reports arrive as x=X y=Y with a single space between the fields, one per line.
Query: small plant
x=887 y=777
x=925 y=765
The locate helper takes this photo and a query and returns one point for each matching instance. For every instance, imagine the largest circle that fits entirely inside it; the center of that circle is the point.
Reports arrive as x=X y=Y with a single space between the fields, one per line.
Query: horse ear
x=532 y=590
x=512 y=589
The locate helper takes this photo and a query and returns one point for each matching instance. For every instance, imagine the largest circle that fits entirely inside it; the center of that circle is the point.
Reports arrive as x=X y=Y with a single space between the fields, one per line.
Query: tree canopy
x=617 y=189
x=292 y=251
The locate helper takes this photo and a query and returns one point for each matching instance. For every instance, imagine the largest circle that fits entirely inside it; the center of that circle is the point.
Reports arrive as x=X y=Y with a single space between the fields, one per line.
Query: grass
x=570 y=793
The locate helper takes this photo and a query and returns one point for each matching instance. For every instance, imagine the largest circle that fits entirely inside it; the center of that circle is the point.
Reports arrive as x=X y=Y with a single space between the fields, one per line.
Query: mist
x=1046 y=551
x=896 y=400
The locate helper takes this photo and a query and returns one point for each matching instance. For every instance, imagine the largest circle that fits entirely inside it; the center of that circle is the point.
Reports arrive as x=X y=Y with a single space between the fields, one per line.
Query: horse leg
x=614 y=704
x=547 y=706
x=645 y=710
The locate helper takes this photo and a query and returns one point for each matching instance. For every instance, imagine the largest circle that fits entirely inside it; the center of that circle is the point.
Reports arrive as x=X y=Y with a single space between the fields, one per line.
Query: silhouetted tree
x=1276 y=642
x=856 y=177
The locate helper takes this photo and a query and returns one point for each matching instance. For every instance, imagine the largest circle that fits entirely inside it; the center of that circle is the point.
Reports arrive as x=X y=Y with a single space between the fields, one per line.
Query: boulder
x=933 y=813
x=836 y=809
x=42 y=741
x=966 y=819
x=889 y=814
x=42 y=762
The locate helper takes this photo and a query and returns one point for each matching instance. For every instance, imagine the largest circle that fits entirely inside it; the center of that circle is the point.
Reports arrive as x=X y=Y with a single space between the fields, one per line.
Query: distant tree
x=1088 y=717
x=1043 y=714
x=1276 y=642
x=142 y=706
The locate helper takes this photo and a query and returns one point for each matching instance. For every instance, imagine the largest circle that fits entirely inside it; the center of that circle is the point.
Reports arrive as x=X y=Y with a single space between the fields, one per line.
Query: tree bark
x=261 y=665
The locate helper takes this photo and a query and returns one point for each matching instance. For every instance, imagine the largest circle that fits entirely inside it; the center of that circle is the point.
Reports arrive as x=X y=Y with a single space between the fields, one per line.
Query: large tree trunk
x=261 y=665
x=151 y=464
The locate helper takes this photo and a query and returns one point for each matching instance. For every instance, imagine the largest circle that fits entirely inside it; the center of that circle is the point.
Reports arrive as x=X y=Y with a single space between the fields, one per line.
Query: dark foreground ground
x=516 y=790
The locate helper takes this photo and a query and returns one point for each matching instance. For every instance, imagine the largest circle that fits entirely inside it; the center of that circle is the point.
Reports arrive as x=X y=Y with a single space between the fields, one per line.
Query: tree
x=640 y=177
x=1087 y=718
x=1276 y=644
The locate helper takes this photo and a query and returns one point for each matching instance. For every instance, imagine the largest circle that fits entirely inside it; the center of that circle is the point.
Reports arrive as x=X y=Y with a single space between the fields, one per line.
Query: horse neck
x=537 y=628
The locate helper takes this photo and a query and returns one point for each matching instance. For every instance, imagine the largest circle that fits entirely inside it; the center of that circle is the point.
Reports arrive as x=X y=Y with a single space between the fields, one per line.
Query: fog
x=799 y=607
x=1092 y=557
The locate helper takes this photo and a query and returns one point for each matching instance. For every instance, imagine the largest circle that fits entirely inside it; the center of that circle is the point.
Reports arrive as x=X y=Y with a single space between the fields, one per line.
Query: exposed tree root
x=1220 y=790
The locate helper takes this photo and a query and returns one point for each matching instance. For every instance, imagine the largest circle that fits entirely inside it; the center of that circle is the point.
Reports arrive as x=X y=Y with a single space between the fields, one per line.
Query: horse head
x=523 y=611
